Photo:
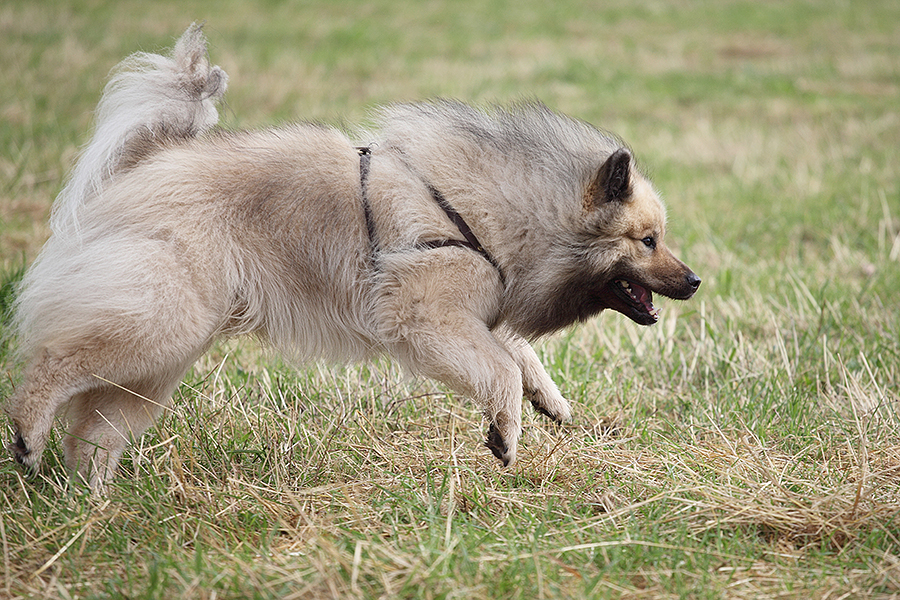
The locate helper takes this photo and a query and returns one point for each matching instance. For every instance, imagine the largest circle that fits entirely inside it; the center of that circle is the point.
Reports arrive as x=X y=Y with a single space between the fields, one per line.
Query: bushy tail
x=148 y=99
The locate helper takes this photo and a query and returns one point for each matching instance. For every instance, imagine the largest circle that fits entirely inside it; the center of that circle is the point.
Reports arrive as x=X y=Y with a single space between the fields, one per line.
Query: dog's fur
x=170 y=234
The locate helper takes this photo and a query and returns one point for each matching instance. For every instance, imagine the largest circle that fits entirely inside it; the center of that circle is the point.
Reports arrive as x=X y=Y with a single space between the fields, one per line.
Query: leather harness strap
x=471 y=242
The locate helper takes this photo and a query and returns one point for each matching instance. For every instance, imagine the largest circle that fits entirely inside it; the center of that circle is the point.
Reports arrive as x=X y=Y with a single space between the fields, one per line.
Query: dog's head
x=627 y=258
x=614 y=257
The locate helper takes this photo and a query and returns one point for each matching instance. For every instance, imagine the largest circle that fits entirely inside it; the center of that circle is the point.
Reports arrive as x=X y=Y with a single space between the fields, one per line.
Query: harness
x=470 y=242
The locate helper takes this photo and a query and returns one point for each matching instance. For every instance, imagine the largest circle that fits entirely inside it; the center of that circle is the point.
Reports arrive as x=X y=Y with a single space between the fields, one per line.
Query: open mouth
x=636 y=301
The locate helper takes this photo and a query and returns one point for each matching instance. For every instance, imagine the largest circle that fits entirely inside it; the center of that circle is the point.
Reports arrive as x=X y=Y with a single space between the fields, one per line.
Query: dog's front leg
x=470 y=361
x=433 y=312
x=539 y=388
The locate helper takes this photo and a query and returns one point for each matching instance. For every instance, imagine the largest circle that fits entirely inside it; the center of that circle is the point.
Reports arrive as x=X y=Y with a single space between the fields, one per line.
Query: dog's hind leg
x=50 y=381
x=103 y=414
x=539 y=388
x=115 y=383
x=103 y=421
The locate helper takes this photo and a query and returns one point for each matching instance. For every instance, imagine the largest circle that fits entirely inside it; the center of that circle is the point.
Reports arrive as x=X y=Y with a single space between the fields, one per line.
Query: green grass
x=747 y=446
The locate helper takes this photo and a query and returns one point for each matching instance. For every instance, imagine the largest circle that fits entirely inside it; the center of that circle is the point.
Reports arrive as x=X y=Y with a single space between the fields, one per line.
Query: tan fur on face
x=646 y=217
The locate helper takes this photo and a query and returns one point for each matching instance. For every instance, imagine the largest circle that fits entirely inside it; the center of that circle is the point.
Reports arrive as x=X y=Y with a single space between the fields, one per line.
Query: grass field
x=747 y=446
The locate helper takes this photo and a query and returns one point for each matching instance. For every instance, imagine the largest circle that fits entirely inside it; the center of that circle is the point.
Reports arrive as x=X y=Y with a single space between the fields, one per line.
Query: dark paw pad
x=539 y=408
x=496 y=445
x=18 y=449
x=533 y=396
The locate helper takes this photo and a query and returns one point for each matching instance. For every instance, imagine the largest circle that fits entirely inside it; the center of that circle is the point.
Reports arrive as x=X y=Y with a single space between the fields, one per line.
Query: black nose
x=693 y=280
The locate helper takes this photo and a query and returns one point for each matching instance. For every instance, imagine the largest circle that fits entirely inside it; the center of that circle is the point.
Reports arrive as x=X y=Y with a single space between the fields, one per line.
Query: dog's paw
x=499 y=447
x=550 y=404
x=21 y=453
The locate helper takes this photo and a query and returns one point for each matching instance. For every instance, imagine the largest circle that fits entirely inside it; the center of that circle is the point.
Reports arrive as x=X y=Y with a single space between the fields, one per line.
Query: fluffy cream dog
x=447 y=243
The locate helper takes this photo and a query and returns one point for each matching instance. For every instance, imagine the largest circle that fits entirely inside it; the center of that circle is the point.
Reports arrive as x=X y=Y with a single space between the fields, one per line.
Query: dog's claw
x=542 y=410
x=19 y=449
x=496 y=445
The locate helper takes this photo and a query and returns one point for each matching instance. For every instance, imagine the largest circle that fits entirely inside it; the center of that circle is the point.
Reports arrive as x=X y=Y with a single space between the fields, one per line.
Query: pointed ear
x=613 y=179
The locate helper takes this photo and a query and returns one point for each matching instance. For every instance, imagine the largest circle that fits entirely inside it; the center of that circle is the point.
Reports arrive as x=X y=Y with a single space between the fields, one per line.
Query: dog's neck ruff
x=471 y=242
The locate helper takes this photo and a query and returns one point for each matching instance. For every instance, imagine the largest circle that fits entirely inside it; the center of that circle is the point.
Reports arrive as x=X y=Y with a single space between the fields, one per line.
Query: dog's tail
x=149 y=99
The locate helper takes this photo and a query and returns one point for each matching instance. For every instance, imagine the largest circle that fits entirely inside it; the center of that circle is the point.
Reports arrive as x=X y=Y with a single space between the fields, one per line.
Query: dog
x=449 y=241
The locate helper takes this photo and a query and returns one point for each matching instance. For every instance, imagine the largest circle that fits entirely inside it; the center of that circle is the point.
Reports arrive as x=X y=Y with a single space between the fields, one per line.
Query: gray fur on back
x=527 y=134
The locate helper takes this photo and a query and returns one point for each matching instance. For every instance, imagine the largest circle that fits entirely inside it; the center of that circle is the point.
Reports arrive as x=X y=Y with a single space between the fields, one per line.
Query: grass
x=747 y=446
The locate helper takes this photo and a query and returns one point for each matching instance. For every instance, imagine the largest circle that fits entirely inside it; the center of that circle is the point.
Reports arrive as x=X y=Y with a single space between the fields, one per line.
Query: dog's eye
x=650 y=242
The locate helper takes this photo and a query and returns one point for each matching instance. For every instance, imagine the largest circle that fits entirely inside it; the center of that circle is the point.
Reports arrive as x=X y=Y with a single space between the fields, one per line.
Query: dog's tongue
x=642 y=295
x=645 y=297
